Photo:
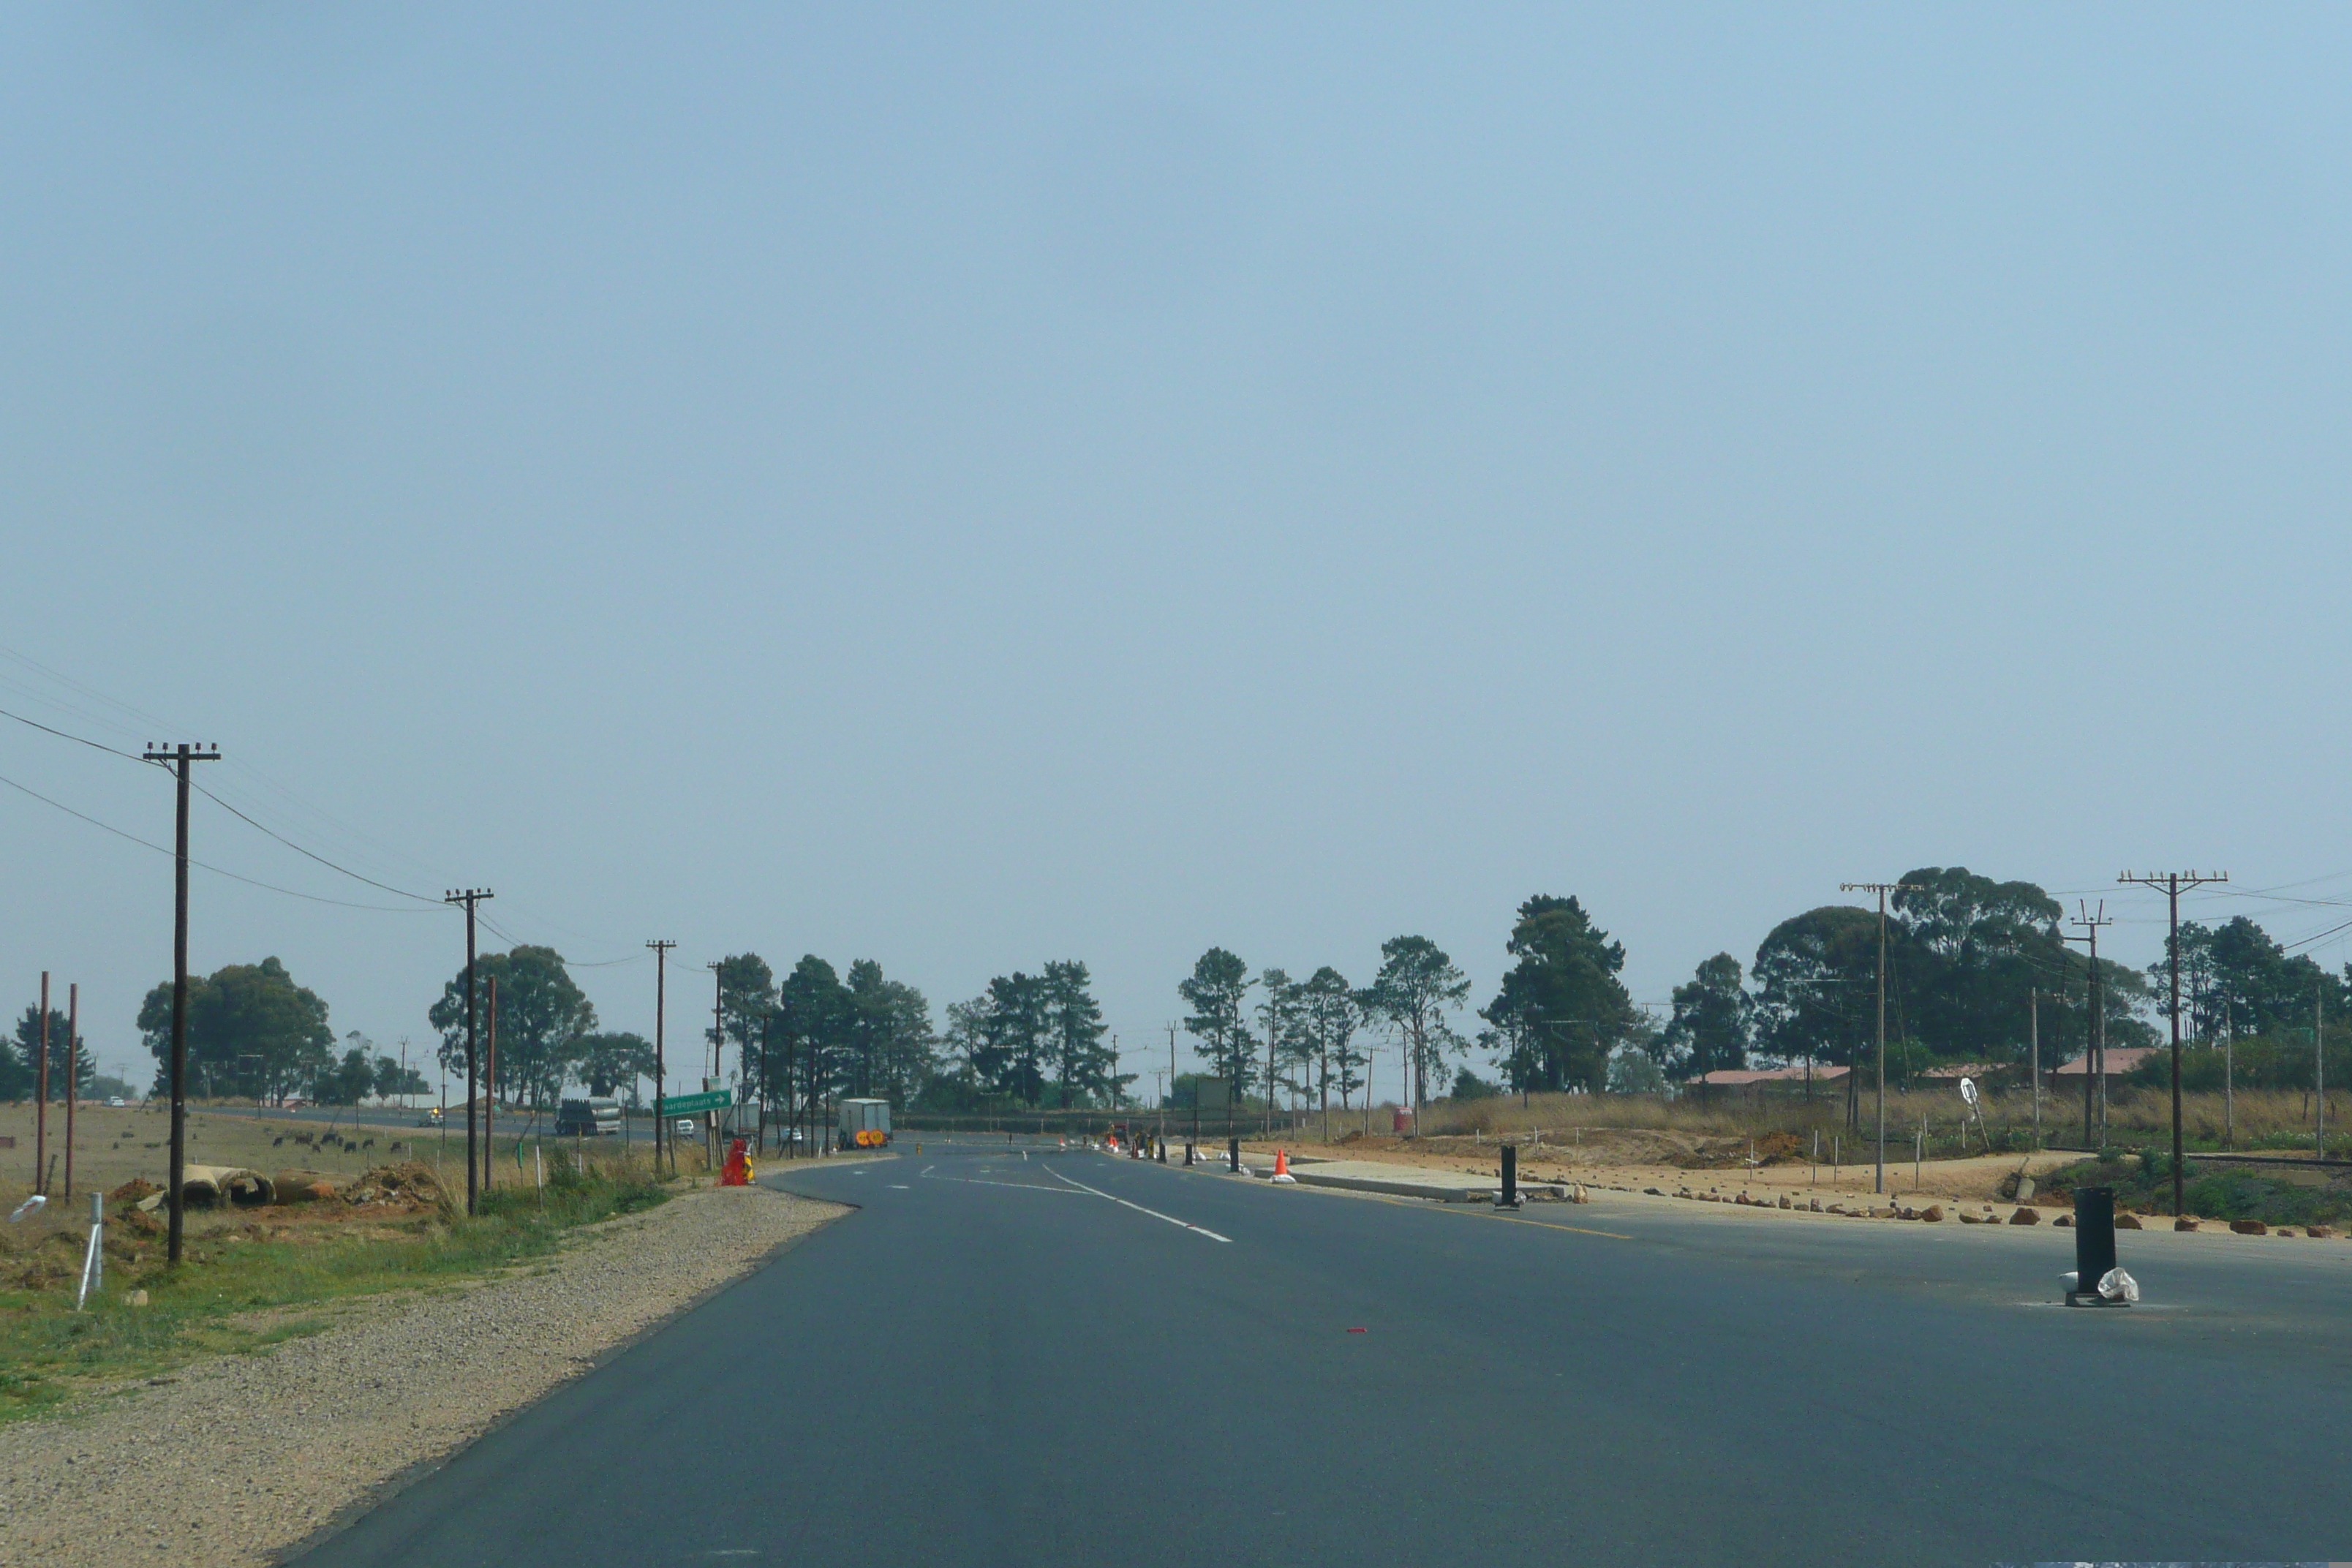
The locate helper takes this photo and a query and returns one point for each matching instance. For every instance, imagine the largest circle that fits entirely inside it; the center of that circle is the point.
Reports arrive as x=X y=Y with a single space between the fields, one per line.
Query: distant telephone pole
x=661 y=1010
x=41 y=1095
x=178 y=757
x=74 y=1062
x=1882 y=889
x=2033 y=1026
x=490 y=1092
x=717 y=1059
x=469 y=898
x=2171 y=882
x=2094 y=1026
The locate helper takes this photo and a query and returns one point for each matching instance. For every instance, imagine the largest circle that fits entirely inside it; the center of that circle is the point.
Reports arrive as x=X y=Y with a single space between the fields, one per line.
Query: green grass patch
x=206 y=1306
x=2143 y=1182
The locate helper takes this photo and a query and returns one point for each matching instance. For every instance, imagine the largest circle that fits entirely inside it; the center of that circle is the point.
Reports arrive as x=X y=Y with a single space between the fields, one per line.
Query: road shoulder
x=242 y=1459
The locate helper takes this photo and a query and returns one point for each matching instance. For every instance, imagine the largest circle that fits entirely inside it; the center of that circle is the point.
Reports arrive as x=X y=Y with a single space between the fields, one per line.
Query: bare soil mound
x=409 y=1184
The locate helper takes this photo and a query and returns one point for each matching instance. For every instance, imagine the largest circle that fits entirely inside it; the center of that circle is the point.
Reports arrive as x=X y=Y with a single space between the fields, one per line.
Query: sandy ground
x=230 y=1462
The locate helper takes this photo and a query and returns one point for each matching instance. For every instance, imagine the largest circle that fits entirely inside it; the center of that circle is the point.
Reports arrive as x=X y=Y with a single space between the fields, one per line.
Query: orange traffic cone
x=1282 y=1167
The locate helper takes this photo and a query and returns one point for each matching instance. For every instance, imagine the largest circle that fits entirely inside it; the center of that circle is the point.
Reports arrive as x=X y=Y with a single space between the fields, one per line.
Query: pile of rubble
x=408 y=1185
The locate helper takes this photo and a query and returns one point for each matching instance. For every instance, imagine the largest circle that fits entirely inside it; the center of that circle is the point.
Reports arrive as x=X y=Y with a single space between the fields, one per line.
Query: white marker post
x=93 y=1262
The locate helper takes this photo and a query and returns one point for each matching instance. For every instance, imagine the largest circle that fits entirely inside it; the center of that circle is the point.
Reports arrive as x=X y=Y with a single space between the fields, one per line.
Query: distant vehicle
x=114 y=1100
x=864 y=1124
x=432 y=1117
x=588 y=1118
x=686 y=1128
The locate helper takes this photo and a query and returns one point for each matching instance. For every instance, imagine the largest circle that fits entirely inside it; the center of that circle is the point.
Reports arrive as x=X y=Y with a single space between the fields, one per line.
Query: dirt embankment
x=395 y=1383
x=1640 y=1158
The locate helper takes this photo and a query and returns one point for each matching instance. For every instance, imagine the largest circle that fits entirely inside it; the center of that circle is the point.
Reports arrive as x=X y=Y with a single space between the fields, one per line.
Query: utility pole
x=469 y=898
x=73 y=1044
x=41 y=1096
x=1882 y=889
x=2094 y=1026
x=2033 y=1005
x=2172 y=882
x=717 y=1061
x=179 y=756
x=2318 y=1082
x=490 y=1093
x=661 y=1081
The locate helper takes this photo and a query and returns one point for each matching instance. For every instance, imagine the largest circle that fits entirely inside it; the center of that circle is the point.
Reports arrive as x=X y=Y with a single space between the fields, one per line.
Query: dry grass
x=2136 y=1115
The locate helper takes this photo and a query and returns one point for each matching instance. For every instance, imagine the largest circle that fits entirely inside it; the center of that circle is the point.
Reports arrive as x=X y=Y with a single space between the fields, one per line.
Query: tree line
x=1974 y=966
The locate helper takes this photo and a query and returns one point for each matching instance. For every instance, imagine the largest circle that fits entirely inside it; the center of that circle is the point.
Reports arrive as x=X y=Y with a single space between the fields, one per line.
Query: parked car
x=114 y=1100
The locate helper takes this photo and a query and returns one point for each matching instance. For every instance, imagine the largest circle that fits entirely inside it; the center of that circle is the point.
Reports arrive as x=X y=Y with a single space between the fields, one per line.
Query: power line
x=298 y=850
x=64 y=735
x=233 y=811
x=216 y=870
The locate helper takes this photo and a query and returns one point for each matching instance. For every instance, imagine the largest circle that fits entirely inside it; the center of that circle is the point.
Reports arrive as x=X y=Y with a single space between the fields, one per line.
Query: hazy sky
x=982 y=485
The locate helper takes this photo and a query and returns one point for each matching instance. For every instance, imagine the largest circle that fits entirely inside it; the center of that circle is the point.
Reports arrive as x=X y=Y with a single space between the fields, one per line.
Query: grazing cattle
x=369 y=1144
x=277 y=1141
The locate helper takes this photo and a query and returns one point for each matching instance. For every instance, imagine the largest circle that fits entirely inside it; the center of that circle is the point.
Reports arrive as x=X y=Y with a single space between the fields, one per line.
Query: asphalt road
x=990 y=1363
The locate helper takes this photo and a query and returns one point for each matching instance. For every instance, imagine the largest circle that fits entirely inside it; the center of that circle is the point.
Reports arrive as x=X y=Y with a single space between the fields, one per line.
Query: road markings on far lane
x=1023 y=1186
x=1139 y=1208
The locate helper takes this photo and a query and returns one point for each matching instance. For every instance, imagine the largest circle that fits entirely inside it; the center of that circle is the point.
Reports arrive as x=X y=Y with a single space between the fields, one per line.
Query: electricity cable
x=216 y=870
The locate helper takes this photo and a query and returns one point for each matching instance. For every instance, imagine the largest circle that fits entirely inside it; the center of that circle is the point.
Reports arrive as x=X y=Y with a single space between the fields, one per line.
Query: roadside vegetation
x=2142 y=1180
x=2254 y=1121
x=252 y=1278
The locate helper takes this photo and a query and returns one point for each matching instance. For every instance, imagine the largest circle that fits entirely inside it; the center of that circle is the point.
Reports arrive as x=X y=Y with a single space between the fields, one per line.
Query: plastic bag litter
x=33 y=1204
x=2117 y=1286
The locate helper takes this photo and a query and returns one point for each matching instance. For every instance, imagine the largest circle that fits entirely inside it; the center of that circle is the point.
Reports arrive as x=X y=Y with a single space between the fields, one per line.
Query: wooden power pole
x=1882 y=889
x=469 y=898
x=661 y=1079
x=179 y=758
x=2172 y=882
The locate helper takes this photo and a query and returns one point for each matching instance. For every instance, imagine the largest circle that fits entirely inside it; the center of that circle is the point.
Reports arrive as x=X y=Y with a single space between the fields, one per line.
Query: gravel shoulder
x=237 y=1461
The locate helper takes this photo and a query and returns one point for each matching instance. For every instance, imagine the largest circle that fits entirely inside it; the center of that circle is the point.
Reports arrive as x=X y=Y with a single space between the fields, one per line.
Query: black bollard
x=1188 y=1154
x=1509 y=1196
x=1163 y=1151
x=2094 y=1246
x=1234 y=1155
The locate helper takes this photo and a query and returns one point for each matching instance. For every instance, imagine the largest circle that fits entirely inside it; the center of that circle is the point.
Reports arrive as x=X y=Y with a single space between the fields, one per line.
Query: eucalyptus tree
x=1417 y=987
x=1215 y=991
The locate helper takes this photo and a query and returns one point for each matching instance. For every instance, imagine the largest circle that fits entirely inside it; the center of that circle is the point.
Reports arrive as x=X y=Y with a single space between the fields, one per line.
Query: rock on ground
x=147 y=1476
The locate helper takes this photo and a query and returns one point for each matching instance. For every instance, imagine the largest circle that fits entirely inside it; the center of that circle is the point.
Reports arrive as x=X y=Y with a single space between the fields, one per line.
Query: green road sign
x=688 y=1104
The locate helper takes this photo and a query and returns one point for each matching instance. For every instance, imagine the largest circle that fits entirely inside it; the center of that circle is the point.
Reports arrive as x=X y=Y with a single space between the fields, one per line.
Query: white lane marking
x=900 y=1187
x=1139 y=1208
x=1023 y=1186
x=928 y=1169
